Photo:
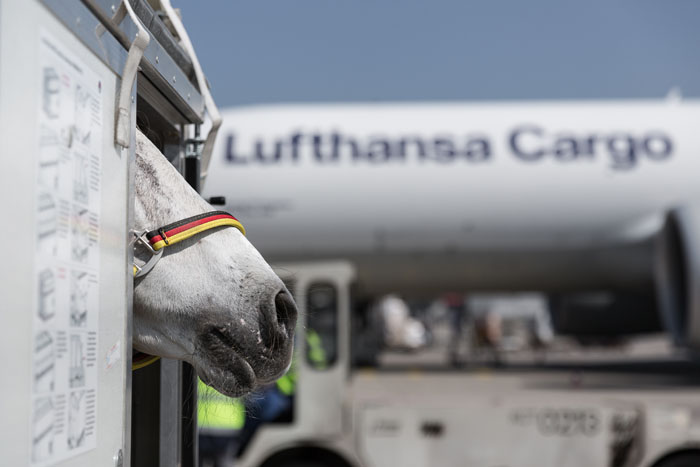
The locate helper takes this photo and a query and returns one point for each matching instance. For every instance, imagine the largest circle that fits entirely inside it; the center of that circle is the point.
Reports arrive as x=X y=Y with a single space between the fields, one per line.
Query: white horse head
x=211 y=300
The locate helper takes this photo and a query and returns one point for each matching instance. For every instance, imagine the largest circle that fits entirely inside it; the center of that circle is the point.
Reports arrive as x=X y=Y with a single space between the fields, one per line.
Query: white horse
x=211 y=300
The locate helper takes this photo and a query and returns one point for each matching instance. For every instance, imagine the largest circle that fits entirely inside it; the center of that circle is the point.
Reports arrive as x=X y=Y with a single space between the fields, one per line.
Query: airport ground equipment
x=542 y=418
x=76 y=77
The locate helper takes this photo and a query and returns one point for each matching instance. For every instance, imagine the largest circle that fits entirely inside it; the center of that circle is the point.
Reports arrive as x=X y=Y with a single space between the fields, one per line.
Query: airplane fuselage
x=500 y=195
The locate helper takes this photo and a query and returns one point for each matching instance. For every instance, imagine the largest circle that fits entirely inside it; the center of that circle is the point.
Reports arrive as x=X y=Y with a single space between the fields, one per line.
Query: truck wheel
x=308 y=456
x=691 y=459
x=307 y=463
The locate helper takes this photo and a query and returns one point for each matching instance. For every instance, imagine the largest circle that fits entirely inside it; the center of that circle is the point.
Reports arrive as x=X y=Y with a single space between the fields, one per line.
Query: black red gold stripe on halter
x=186 y=228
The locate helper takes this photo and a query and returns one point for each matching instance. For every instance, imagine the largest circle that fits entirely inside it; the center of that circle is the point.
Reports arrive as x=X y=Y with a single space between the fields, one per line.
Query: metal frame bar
x=83 y=17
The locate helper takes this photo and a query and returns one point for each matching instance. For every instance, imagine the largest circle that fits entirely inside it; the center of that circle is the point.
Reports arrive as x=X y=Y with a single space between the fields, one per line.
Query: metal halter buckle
x=140 y=237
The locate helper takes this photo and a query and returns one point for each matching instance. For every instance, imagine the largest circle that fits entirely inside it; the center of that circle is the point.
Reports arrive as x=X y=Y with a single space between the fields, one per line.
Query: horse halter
x=155 y=242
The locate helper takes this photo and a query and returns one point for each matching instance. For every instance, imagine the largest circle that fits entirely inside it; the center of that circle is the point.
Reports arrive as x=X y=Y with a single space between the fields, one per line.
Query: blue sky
x=269 y=51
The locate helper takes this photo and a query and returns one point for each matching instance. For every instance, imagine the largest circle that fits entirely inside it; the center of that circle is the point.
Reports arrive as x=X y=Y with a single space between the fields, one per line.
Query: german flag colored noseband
x=156 y=240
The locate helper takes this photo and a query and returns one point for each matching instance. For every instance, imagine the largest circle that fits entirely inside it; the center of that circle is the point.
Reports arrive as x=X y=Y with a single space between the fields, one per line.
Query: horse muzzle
x=238 y=356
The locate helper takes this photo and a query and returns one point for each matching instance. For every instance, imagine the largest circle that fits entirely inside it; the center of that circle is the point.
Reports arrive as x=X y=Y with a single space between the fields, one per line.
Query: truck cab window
x=321 y=326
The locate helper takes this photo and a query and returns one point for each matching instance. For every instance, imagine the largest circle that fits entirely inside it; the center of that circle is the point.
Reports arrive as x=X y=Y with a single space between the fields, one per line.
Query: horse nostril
x=286 y=311
x=277 y=321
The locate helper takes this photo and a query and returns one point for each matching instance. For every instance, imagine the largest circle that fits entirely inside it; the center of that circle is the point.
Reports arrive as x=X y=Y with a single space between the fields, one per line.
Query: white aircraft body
x=434 y=196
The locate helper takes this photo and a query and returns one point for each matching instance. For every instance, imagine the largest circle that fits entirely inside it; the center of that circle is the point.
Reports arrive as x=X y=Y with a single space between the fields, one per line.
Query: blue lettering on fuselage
x=527 y=143
x=531 y=143
x=334 y=147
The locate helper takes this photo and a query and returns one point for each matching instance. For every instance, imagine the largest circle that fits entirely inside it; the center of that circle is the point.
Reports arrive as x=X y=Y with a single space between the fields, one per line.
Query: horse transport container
x=75 y=75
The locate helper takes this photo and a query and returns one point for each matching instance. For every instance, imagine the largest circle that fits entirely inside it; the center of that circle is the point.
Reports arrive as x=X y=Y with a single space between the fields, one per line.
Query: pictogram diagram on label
x=67 y=219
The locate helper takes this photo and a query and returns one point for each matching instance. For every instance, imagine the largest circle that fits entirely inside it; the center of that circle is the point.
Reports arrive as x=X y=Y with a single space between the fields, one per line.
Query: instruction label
x=67 y=261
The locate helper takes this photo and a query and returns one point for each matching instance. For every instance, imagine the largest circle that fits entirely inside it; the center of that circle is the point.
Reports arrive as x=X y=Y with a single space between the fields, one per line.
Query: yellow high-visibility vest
x=216 y=411
x=316 y=356
x=287 y=382
x=316 y=353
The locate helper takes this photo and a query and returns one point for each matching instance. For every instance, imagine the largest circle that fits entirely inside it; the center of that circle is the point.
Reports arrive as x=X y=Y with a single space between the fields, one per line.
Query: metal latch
x=122 y=132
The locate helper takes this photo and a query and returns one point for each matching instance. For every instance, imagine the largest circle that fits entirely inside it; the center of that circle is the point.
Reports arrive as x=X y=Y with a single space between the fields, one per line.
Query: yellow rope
x=144 y=362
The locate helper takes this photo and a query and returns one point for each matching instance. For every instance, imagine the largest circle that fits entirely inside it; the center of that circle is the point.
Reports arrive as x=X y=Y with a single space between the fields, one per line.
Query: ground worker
x=275 y=402
x=220 y=420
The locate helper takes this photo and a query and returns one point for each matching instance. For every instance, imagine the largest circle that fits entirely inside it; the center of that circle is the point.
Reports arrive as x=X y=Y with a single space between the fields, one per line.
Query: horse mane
x=157 y=179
